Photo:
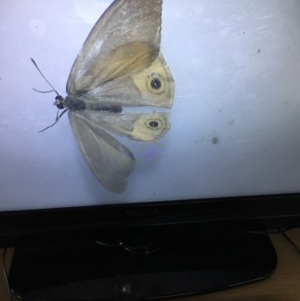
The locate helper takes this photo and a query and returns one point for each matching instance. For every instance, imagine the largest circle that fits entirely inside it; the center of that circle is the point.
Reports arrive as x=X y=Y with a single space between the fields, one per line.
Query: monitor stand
x=137 y=265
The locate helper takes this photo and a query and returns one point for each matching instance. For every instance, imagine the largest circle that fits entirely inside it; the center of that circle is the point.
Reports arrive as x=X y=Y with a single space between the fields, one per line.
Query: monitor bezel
x=246 y=213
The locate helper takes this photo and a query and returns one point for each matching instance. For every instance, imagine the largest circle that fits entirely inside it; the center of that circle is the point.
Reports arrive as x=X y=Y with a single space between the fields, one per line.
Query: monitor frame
x=250 y=213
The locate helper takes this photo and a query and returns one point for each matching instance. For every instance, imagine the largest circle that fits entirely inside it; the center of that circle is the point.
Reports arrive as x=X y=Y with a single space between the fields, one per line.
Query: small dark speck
x=244 y=32
x=258 y=51
x=215 y=140
x=220 y=110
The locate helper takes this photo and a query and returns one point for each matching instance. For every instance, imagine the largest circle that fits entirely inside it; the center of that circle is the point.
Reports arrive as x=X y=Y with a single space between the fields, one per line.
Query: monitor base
x=139 y=267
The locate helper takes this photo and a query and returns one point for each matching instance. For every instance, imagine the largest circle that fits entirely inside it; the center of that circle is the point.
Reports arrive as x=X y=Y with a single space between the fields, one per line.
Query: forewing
x=110 y=161
x=153 y=86
x=126 y=39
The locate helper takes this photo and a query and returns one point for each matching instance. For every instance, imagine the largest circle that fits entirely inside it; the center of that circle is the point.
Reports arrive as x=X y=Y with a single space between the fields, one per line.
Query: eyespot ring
x=156 y=84
x=154 y=124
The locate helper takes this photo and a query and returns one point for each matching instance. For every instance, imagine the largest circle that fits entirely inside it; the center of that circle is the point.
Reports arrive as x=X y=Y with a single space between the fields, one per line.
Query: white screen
x=234 y=121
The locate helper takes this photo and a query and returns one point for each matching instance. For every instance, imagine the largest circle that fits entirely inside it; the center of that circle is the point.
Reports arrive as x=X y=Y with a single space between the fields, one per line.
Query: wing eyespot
x=156 y=84
x=154 y=124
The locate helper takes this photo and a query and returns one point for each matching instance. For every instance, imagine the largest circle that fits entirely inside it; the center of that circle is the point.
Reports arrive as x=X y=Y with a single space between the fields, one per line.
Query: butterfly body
x=79 y=104
x=119 y=65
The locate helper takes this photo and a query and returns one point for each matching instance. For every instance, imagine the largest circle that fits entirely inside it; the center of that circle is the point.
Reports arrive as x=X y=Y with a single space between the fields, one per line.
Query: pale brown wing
x=110 y=161
x=153 y=86
x=136 y=126
x=126 y=39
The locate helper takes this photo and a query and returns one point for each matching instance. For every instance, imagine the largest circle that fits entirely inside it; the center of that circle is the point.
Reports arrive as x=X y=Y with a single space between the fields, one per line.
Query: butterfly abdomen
x=78 y=104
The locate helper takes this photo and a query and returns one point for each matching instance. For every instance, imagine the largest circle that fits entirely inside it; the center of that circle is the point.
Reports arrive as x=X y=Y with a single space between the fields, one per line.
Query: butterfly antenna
x=56 y=120
x=44 y=79
x=43 y=91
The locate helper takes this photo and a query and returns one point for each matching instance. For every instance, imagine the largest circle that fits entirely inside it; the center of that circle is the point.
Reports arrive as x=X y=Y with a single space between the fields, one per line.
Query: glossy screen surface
x=234 y=121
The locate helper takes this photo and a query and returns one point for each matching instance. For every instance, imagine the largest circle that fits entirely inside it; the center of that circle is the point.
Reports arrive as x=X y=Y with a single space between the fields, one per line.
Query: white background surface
x=236 y=66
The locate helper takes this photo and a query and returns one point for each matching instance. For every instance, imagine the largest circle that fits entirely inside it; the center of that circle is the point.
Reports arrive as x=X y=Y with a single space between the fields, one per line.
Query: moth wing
x=137 y=126
x=110 y=161
x=124 y=40
x=153 y=86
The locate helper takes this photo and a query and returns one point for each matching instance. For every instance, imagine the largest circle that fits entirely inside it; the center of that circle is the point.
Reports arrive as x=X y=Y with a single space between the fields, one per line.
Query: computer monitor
x=173 y=214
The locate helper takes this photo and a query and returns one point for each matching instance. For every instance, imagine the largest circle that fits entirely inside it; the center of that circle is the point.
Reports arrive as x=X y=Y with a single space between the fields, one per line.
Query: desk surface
x=283 y=285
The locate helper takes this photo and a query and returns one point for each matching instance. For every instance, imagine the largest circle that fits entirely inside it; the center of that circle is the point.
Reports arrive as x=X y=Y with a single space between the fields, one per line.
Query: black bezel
x=244 y=213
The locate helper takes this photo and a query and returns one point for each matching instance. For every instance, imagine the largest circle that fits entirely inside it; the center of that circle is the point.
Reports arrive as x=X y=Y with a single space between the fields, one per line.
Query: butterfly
x=119 y=66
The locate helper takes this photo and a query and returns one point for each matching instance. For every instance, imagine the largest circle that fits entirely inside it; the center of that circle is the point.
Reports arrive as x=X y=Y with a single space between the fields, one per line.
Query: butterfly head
x=59 y=102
